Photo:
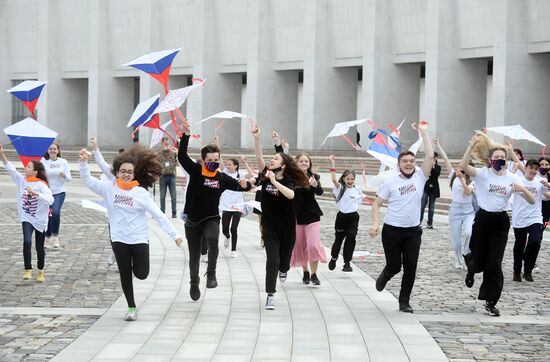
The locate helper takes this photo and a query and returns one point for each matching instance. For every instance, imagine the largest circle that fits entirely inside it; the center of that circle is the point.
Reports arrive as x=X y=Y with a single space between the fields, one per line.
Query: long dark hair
x=40 y=170
x=294 y=172
x=236 y=163
x=518 y=151
x=147 y=167
x=47 y=155
x=468 y=179
x=547 y=160
x=345 y=174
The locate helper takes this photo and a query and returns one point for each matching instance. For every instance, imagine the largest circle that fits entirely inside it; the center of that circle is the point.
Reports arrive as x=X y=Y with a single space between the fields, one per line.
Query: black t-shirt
x=305 y=204
x=277 y=211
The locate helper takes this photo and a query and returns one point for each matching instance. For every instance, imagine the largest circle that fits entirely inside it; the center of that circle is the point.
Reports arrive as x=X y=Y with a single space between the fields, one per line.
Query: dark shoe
x=315 y=280
x=332 y=264
x=174 y=215
x=429 y=226
x=516 y=277
x=347 y=268
x=381 y=282
x=306 y=279
x=195 y=291
x=469 y=281
x=528 y=277
x=283 y=276
x=491 y=309
x=405 y=307
x=211 y=281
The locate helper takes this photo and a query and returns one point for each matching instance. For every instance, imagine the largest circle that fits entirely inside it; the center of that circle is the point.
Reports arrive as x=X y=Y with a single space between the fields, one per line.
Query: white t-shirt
x=492 y=190
x=53 y=169
x=518 y=171
x=404 y=198
x=32 y=209
x=351 y=199
x=233 y=200
x=523 y=213
x=457 y=191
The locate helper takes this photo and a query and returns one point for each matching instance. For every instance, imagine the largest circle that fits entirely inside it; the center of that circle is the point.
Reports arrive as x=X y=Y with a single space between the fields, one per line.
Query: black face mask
x=543 y=171
x=277 y=170
x=407 y=176
x=497 y=164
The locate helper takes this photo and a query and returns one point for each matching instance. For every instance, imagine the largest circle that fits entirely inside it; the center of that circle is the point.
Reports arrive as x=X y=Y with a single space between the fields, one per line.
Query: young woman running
x=401 y=233
x=544 y=174
x=348 y=199
x=127 y=204
x=494 y=186
x=34 y=198
x=278 y=214
x=461 y=212
x=58 y=172
x=527 y=223
x=206 y=185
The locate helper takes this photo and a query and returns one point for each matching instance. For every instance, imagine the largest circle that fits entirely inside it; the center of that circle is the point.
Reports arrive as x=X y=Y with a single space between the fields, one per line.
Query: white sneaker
x=458 y=265
x=111 y=259
x=270 y=302
x=131 y=315
x=226 y=243
x=204 y=258
x=48 y=242
x=55 y=242
x=535 y=269
x=234 y=254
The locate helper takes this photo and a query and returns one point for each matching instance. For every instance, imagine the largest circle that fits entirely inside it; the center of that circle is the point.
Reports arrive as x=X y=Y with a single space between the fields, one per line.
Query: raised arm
x=448 y=165
x=468 y=189
x=428 y=149
x=185 y=161
x=16 y=176
x=100 y=161
x=249 y=170
x=470 y=170
x=258 y=148
x=517 y=162
x=97 y=186
x=333 y=171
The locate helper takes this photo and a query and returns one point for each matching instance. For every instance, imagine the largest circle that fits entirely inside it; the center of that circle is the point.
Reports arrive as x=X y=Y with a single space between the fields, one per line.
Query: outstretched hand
x=84 y=155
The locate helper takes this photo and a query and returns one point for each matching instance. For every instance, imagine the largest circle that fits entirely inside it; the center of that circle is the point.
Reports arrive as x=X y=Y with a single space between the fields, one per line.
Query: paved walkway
x=344 y=319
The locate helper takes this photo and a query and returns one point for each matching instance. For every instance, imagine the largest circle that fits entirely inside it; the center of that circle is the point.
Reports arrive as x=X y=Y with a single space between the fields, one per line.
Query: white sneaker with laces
x=131 y=315
x=234 y=254
x=270 y=302
x=458 y=265
x=111 y=259
x=48 y=242
x=226 y=243
x=55 y=242
x=204 y=258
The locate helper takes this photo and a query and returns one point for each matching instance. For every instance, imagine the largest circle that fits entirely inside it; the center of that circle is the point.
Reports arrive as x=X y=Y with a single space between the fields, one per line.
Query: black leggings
x=28 y=229
x=278 y=249
x=346 y=228
x=198 y=234
x=131 y=258
x=226 y=219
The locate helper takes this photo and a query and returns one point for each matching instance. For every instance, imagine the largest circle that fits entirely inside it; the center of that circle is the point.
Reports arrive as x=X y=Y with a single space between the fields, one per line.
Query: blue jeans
x=431 y=207
x=168 y=181
x=461 y=216
x=28 y=229
x=55 y=219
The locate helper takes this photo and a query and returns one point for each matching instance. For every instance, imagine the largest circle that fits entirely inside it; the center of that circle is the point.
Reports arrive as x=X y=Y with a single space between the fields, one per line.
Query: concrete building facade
x=297 y=66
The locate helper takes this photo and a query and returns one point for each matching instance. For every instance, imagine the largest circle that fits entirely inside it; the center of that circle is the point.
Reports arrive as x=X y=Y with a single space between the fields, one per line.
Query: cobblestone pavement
x=439 y=290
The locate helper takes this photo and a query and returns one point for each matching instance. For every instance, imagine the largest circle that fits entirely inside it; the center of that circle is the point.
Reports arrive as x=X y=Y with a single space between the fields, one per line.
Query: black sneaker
x=381 y=282
x=282 y=277
x=429 y=226
x=332 y=264
x=528 y=277
x=347 y=268
x=174 y=215
x=315 y=280
x=306 y=279
x=405 y=307
x=211 y=281
x=469 y=281
x=195 y=291
x=516 y=277
x=491 y=309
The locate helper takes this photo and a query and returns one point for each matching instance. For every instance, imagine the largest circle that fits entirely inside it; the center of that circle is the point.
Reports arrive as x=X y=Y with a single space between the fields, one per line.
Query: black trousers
x=487 y=245
x=527 y=253
x=401 y=247
x=28 y=230
x=545 y=213
x=346 y=228
x=227 y=217
x=278 y=248
x=195 y=232
x=131 y=259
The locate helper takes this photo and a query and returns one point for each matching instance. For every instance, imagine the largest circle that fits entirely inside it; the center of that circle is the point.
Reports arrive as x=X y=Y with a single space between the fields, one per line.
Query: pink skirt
x=308 y=247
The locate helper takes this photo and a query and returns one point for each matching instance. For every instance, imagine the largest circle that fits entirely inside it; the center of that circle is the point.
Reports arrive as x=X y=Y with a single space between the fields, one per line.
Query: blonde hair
x=484 y=148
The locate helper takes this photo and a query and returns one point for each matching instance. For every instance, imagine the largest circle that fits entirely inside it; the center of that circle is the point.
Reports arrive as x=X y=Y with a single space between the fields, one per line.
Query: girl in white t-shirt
x=34 y=198
x=401 y=233
x=494 y=186
x=461 y=212
x=348 y=199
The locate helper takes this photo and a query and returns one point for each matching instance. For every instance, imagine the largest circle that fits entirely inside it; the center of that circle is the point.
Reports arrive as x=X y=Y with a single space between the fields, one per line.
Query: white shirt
x=404 y=197
x=492 y=190
x=34 y=210
x=523 y=213
x=457 y=191
x=53 y=168
x=351 y=199
x=233 y=200
x=518 y=171
x=127 y=209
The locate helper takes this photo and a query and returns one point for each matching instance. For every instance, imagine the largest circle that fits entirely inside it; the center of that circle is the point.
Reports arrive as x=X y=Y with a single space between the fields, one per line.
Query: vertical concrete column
x=5 y=81
x=271 y=96
x=329 y=94
x=520 y=80
x=390 y=91
x=455 y=89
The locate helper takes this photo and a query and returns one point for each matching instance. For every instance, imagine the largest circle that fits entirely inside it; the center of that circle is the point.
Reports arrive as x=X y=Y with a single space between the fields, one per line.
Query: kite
x=147 y=115
x=517 y=132
x=30 y=139
x=176 y=97
x=28 y=92
x=156 y=137
x=381 y=149
x=341 y=129
x=226 y=115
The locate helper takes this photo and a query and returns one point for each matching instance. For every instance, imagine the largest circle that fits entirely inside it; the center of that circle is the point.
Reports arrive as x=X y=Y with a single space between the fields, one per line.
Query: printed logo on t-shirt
x=272 y=190
x=498 y=189
x=29 y=204
x=407 y=189
x=531 y=189
x=124 y=200
x=212 y=183
x=55 y=165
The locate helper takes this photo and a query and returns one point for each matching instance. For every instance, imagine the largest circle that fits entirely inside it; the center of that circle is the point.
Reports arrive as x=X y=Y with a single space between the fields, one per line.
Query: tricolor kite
x=156 y=64
x=146 y=114
x=30 y=139
x=382 y=150
x=28 y=92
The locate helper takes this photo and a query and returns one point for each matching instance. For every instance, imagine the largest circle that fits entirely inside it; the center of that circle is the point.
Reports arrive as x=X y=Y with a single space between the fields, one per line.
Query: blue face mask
x=497 y=164
x=211 y=165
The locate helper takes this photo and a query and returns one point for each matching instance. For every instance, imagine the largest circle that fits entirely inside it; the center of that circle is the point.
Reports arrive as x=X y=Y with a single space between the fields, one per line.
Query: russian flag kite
x=381 y=150
x=30 y=139
x=28 y=92
x=156 y=64
x=146 y=114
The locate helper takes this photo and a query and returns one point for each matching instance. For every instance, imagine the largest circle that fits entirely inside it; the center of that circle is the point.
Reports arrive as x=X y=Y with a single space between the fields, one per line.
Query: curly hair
x=47 y=154
x=484 y=148
x=147 y=167
x=40 y=170
x=293 y=171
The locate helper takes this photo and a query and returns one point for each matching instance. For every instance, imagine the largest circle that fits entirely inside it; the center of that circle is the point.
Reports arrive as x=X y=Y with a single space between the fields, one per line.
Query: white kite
x=157 y=135
x=177 y=97
x=516 y=132
x=341 y=129
x=226 y=115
